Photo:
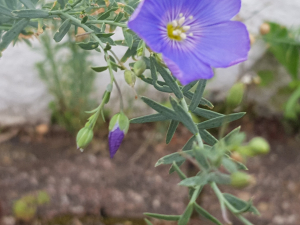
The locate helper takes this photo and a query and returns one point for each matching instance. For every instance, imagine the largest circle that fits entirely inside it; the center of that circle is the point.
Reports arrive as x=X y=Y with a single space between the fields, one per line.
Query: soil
x=90 y=188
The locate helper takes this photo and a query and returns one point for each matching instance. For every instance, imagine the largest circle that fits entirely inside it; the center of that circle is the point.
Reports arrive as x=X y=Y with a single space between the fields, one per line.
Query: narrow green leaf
x=197 y=95
x=208 y=114
x=84 y=19
x=173 y=158
x=119 y=17
x=88 y=45
x=160 y=108
x=128 y=38
x=219 y=178
x=28 y=4
x=186 y=147
x=203 y=101
x=104 y=35
x=148 y=222
x=199 y=180
x=171 y=131
x=187 y=87
x=5 y=11
x=107 y=40
x=62 y=31
x=129 y=53
x=163 y=217
x=229 y=165
x=185 y=217
x=201 y=158
x=155 y=82
x=170 y=81
x=149 y=118
x=240 y=205
x=106 y=14
x=31 y=13
x=10 y=35
x=219 y=121
x=181 y=175
x=230 y=135
x=184 y=116
x=99 y=69
x=208 y=137
x=206 y=214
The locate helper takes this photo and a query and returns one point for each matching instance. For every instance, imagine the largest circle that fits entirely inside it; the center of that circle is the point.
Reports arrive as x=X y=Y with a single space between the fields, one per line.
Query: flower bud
x=240 y=179
x=84 y=137
x=235 y=95
x=259 y=145
x=139 y=67
x=130 y=78
x=265 y=28
x=118 y=127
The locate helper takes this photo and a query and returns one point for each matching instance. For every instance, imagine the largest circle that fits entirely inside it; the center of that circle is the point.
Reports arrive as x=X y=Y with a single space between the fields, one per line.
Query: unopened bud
x=139 y=67
x=130 y=78
x=259 y=145
x=84 y=137
x=118 y=127
x=265 y=28
x=235 y=95
x=240 y=179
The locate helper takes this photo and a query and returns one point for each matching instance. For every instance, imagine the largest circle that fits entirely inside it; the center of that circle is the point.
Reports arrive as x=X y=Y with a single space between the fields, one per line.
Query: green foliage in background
x=25 y=208
x=66 y=73
x=284 y=44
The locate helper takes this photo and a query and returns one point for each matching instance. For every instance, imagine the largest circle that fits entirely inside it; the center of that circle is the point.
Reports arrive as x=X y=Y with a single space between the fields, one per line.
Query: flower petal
x=223 y=44
x=209 y=12
x=147 y=23
x=115 y=139
x=186 y=66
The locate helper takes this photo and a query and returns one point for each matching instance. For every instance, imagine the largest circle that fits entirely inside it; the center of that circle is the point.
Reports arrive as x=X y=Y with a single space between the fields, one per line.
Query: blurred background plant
x=25 y=208
x=284 y=45
x=66 y=71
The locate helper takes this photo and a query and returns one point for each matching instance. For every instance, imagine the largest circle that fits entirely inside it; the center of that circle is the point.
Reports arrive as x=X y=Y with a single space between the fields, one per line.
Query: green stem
x=106 y=22
x=195 y=195
x=244 y=220
x=221 y=200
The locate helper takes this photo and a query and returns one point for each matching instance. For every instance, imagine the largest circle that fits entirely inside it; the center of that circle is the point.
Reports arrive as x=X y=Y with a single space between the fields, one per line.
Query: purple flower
x=192 y=35
x=115 y=139
x=118 y=127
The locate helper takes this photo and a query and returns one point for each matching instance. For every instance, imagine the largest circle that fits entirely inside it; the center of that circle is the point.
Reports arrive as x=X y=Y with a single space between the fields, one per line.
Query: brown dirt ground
x=90 y=184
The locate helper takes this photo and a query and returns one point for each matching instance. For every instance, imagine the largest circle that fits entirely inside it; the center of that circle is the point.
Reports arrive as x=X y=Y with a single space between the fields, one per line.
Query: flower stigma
x=176 y=29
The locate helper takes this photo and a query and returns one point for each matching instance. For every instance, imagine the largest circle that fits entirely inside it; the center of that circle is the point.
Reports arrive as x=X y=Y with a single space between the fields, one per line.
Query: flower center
x=176 y=29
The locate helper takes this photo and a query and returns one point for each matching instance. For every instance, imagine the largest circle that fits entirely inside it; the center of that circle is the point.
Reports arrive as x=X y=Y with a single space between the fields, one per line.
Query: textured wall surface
x=24 y=98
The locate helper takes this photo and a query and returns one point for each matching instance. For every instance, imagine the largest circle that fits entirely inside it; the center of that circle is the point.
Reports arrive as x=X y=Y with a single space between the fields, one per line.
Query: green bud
x=122 y=121
x=84 y=137
x=130 y=78
x=235 y=95
x=240 y=179
x=139 y=67
x=259 y=145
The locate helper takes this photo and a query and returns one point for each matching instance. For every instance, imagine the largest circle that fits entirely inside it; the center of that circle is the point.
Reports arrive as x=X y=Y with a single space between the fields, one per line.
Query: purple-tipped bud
x=118 y=127
x=115 y=139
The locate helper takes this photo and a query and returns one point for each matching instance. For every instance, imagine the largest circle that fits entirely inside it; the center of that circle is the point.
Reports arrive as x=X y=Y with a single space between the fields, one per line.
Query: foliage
x=66 y=73
x=220 y=162
x=25 y=208
x=284 y=44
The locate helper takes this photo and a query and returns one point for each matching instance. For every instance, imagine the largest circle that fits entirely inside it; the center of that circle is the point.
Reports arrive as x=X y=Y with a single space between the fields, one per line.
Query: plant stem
x=221 y=200
x=244 y=220
x=106 y=22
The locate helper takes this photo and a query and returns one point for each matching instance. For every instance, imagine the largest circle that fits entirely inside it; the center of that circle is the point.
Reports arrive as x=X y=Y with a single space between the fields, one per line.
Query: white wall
x=24 y=98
